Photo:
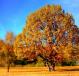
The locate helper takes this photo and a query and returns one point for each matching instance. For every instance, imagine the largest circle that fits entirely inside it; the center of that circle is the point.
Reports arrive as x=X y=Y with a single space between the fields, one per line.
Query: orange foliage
x=48 y=29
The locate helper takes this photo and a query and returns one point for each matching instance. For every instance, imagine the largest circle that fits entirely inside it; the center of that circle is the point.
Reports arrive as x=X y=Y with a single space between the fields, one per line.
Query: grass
x=40 y=71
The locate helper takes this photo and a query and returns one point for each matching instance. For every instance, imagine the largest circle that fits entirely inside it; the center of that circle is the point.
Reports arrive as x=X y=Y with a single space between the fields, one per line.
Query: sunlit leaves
x=47 y=28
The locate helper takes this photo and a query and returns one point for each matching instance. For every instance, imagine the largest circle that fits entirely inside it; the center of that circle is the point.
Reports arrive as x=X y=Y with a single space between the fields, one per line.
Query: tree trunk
x=53 y=66
x=8 y=66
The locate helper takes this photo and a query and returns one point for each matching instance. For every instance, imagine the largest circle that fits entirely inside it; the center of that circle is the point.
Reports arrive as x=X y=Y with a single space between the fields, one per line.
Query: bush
x=20 y=62
x=68 y=63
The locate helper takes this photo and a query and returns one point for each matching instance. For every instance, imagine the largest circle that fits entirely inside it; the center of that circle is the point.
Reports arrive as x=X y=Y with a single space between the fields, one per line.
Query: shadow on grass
x=71 y=69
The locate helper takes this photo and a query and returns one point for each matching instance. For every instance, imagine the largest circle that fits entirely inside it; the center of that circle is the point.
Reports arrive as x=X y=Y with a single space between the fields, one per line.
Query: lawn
x=40 y=71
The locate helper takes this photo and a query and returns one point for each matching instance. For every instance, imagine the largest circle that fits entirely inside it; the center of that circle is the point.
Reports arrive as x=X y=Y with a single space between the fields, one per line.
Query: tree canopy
x=48 y=29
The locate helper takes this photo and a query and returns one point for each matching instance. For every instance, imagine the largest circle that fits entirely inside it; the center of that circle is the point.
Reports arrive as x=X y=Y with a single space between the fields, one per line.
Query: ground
x=40 y=71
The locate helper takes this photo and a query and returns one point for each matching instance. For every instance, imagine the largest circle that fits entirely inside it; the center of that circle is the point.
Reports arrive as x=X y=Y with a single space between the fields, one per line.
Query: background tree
x=3 y=60
x=10 y=55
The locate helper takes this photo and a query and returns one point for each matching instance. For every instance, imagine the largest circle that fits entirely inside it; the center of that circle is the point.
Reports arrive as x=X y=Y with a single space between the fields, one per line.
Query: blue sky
x=13 y=13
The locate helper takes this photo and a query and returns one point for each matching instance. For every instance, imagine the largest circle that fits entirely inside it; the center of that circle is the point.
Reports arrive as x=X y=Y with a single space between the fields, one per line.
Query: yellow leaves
x=66 y=51
x=9 y=37
x=2 y=46
x=49 y=39
x=1 y=43
x=58 y=8
x=44 y=24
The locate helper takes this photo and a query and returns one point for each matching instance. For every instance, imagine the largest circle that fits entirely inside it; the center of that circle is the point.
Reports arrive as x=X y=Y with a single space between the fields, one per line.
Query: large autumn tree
x=52 y=33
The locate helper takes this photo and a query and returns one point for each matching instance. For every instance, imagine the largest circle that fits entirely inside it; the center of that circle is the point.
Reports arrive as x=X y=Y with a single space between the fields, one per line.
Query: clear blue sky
x=13 y=13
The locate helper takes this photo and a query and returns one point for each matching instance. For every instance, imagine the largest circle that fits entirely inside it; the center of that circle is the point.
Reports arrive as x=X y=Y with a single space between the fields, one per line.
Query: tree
x=10 y=55
x=2 y=53
x=48 y=32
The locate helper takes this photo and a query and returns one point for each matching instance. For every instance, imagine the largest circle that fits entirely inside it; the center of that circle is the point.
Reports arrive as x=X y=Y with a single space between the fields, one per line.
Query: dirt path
x=40 y=71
